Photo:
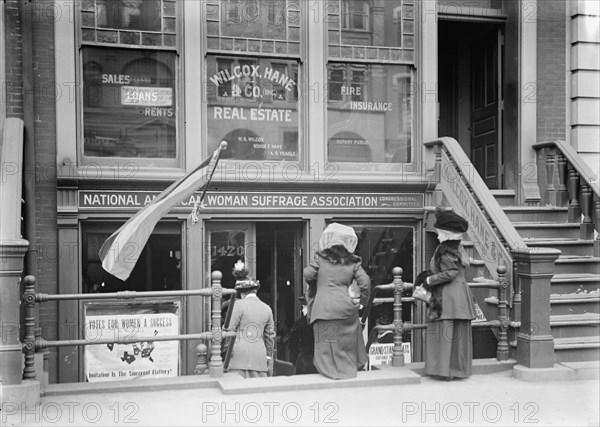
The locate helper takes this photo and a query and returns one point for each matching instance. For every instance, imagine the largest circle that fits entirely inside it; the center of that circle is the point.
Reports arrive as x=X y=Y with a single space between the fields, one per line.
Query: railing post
x=438 y=195
x=597 y=222
x=201 y=363
x=550 y=165
x=29 y=343
x=398 y=353
x=573 y=186
x=562 y=197
x=502 y=351
x=586 y=230
x=535 y=344
x=216 y=362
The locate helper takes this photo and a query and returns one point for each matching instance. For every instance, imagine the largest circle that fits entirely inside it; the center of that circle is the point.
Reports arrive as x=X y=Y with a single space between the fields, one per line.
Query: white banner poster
x=381 y=354
x=145 y=358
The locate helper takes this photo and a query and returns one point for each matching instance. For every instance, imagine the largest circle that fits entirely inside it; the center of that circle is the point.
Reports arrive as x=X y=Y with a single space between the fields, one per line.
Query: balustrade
x=565 y=167
x=33 y=343
x=503 y=322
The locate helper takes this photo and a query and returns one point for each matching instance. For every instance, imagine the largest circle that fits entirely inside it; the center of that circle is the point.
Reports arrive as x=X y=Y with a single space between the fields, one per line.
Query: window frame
x=374 y=55
x=245 y=55
x=348 y=17
x=121 y=167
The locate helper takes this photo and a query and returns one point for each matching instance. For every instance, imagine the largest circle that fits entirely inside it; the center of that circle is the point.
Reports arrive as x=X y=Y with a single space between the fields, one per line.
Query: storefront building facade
x=325 y=107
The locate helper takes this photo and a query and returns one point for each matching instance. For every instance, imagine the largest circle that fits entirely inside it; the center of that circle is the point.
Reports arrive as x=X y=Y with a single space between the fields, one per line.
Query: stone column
x=15 y=391
x=11 y=267
x=535 y=344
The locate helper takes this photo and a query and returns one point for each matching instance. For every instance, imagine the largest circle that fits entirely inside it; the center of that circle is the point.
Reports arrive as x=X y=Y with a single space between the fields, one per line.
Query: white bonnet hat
x=338 y=234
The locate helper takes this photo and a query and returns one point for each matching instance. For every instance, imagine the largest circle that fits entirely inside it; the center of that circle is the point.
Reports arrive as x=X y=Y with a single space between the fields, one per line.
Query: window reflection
x=356 y=14
x=382 y=248
x=254 y=18
x=369 y=113
x=158 y=267
x=129 y=103
x=253 y=105
x=226 y=248
x=142 y=15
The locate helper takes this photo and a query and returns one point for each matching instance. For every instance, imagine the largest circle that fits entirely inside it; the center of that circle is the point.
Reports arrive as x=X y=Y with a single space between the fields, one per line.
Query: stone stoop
x=564 y=371
x=480 y=366
x=575 y=287
x=231 y=383
x=375 y=378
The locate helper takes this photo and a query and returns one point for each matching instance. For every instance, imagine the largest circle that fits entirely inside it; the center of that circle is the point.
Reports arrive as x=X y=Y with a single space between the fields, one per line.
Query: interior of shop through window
x=159 y=266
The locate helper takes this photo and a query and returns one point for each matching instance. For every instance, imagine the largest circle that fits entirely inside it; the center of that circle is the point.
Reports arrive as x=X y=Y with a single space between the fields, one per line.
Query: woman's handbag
x=422 y=294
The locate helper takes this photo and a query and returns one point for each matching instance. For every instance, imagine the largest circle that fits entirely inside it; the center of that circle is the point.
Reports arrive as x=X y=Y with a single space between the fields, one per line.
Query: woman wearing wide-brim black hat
x=449 y=343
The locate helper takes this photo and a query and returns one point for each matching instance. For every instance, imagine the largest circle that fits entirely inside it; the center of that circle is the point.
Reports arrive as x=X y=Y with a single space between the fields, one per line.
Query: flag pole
x=199 y=203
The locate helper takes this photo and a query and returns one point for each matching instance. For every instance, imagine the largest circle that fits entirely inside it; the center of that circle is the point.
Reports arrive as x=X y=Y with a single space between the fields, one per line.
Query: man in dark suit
x=302 y=343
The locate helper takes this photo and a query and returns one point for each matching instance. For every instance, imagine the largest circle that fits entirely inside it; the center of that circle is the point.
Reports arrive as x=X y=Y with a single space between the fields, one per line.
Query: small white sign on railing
x=381 y=354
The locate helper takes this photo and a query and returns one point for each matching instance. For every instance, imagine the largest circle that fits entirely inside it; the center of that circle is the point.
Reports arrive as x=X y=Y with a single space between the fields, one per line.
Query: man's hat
x=449 y=221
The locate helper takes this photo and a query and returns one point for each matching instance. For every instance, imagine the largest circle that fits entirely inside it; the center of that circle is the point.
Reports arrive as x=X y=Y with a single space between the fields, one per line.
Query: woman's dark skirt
x=339 y=347
x=449 y=348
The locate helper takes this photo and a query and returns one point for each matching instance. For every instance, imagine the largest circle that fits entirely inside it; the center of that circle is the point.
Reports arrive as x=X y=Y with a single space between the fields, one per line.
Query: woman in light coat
x=252 y=320
x=339 y=345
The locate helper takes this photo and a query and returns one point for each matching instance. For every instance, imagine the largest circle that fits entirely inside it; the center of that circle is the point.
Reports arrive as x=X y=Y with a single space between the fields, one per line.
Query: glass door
x=229 y=242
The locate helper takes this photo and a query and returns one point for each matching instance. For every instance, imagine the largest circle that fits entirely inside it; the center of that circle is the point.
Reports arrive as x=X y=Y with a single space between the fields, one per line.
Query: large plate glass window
x=129 y=70
x=371 y=51
x=370 y=113
x=158 y=267
x=253 y=105
x=381 y=248
x=253 y=72
x=129 y=103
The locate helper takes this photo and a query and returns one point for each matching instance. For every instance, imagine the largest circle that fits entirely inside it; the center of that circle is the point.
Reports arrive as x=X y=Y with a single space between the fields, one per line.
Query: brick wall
x=45 y=148
x=13 y=90
x=30 y=95
x=551 y=68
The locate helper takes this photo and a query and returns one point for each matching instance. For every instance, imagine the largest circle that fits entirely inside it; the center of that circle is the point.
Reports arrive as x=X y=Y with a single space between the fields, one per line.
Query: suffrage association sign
x=262 y=200
x=144 y=358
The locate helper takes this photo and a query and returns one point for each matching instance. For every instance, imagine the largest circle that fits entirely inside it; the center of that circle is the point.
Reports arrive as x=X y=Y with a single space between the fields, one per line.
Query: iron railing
x=215 y=336
x=503 y=322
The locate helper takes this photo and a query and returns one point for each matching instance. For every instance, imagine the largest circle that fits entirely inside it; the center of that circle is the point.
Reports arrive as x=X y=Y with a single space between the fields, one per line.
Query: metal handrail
x=503 y=322
x=32 y=344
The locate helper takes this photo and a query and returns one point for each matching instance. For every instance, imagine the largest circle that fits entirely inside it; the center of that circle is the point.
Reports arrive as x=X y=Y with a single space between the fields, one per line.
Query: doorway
x=470 y=70
x=279 y=270
x=273 y=254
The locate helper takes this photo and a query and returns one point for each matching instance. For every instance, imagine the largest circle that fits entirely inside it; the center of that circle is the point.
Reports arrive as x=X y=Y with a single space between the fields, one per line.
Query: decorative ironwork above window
x=129 y=22
x=371 y=30
x=256 y=26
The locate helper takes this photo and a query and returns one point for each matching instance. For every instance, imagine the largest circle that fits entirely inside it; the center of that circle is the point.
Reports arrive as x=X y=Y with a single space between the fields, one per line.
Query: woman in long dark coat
x=339 y=345
x=449 y=343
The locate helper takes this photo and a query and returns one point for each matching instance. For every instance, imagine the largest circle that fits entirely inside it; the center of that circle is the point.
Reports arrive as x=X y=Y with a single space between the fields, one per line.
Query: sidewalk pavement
x=497 y=399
